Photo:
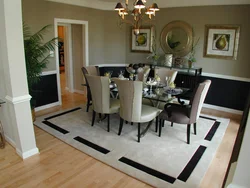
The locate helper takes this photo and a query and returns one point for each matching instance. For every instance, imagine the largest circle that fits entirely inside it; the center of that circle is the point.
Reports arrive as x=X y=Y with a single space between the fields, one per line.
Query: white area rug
x=165 y=161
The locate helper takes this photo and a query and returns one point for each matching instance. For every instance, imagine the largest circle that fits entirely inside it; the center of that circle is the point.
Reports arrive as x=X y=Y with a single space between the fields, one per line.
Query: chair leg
x=126 y=122
x=131 y=123
x=93 y=118
x=120 y=127
x=88 y=104
x=163 y=122
x=156 y=123
x=100 y=116
x=172 y=124
x=195 y=128
x=139 y=132
x=188 y=133
x=108 y=122
x=160 y=126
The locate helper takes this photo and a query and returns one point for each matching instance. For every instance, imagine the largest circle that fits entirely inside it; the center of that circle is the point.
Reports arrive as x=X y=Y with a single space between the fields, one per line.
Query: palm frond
x=36 y=53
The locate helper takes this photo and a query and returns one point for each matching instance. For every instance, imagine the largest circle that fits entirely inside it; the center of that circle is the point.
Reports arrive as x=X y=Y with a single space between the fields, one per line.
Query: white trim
x=79 y=91
x=214 y=107
x=57 y=65
x=109 y=5
x=10 y=141
x=230 y=110
x=226 y=77
x=70 y=63
x=20 y=99
x=231 y=185
x=111 y=65
x=45 y=73
x=27 y=154
x=87 y=43
x=203 y=73
x=46 y=106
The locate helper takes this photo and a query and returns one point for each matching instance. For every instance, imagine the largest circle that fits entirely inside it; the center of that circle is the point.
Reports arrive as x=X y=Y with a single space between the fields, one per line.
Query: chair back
x=99 y=87
x=198 y=100
x=164 y=72
x=143 y=75
x=130 y=95
x=91 y=70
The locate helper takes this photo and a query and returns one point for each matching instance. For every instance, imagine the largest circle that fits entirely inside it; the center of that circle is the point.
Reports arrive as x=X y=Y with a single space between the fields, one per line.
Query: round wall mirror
x=176 y=38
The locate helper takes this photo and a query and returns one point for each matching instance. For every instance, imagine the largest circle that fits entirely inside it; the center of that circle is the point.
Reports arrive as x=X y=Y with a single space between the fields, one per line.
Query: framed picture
x=143 y=41
x=221 y=41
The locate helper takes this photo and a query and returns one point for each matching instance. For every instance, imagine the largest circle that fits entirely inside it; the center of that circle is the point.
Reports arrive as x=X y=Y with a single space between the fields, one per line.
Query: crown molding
x=110 y=4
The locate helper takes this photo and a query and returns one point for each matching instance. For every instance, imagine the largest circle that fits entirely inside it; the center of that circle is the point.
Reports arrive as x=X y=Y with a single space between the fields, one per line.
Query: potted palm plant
x=37 y=54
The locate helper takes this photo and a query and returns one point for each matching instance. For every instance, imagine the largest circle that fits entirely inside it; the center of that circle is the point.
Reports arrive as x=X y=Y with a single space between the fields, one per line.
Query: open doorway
x=62 y=53
x=71 y=55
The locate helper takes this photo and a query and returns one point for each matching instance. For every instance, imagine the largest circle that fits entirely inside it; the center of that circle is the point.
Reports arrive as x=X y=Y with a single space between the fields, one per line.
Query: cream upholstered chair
x=102 y=103
x=131 y=107
x=91 y=70
x=186 y=114
x=164 y=72
x=143 y=75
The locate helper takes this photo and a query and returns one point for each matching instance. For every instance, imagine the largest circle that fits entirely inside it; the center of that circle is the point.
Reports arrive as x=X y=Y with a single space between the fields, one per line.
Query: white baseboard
x=214 y=107
x=10 y=141
x=231 y=185
x=46 y=106
x=27 y=154
x=233 y=111
x=79 y=91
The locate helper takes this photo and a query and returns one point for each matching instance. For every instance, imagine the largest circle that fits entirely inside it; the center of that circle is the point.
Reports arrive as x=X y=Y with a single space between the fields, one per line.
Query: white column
x=15 y=81
x=241 y=175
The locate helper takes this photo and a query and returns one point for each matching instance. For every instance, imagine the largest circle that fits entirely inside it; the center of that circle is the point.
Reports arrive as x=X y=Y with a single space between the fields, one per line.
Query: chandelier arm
x=127 y=22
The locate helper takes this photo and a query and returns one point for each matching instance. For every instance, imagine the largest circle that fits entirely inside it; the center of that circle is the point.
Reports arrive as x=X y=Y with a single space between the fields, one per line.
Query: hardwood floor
x=60 y=165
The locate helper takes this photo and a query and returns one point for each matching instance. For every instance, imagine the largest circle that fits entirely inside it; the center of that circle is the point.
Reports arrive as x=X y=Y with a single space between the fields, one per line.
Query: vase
x=190 y=64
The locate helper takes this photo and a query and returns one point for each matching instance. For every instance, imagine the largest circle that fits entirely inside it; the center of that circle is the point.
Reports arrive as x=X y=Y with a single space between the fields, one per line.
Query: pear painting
x=141 y=39
x=221 y=42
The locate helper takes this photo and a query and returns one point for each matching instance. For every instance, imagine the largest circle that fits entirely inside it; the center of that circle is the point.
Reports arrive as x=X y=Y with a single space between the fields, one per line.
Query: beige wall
x=198 y=17
x=37 y=13
x=110 y=44
x=77 y=55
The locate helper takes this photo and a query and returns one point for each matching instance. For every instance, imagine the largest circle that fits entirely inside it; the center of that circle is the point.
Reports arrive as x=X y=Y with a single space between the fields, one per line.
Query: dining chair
x=91 y=70
x=185 y=114
x=143 y=75
x=131 y=107
x=102 y=103
x=164 y=72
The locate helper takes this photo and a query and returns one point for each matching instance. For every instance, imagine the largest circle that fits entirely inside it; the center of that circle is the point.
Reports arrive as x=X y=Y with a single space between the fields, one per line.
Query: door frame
x=57 y=22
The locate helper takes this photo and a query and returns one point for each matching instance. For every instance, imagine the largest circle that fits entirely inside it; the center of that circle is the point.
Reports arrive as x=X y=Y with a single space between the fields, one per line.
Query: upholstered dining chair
x=186 y=114
x=143 y=75
x=91 y=70
x=131 y=107
x=164 y=72
x=102 y=103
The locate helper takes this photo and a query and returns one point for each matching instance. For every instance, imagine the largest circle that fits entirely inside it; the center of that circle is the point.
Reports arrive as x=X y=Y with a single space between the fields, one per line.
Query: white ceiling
x=110 y=4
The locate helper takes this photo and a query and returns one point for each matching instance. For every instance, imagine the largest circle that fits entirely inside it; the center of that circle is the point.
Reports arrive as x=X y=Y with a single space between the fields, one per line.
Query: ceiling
x=110 y=4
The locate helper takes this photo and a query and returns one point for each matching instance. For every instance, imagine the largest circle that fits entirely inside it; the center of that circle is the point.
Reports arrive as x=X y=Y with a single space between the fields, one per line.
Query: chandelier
x=138 y=13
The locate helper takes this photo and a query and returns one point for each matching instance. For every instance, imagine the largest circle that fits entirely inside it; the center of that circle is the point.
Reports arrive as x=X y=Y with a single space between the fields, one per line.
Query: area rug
x=166 y=161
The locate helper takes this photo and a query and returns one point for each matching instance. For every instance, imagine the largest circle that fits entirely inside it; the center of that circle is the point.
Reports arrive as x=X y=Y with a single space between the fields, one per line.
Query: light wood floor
x=60 y=165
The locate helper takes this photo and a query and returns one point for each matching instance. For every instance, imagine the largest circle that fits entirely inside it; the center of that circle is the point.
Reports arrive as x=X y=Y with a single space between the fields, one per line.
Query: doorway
x=71 y=55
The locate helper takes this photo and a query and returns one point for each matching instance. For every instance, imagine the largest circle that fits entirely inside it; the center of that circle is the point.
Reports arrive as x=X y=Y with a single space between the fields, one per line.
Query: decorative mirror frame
x=172 y=25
